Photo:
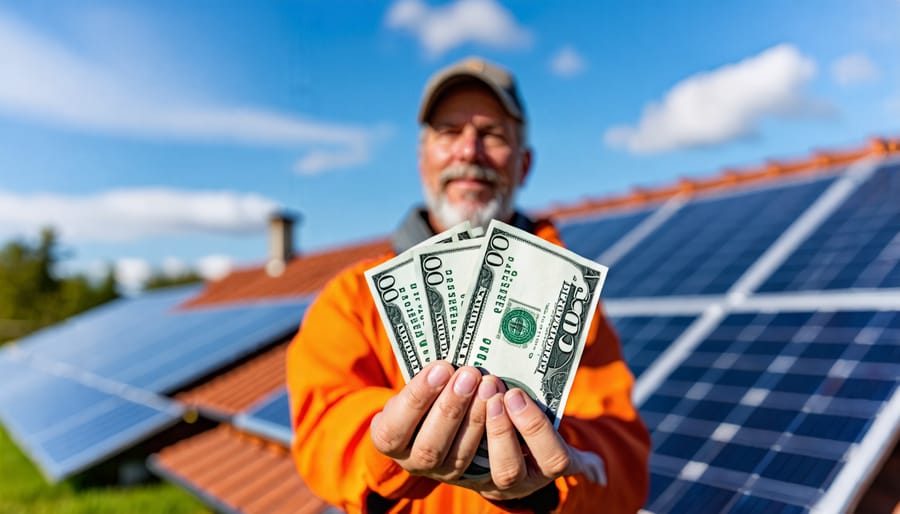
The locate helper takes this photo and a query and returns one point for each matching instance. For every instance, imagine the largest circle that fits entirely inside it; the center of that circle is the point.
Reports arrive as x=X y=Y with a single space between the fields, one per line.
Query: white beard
x=479 y=215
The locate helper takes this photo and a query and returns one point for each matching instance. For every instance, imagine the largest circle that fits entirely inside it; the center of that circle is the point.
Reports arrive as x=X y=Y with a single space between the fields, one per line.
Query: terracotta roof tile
x=304 y=275
x=234 y=391
x=239 y=471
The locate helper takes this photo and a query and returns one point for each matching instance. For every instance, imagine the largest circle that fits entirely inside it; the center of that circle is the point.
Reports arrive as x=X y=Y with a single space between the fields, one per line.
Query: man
x=367 y=442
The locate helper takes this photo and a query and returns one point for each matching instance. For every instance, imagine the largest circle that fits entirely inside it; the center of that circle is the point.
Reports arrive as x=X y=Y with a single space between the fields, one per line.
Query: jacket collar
x=415 y=228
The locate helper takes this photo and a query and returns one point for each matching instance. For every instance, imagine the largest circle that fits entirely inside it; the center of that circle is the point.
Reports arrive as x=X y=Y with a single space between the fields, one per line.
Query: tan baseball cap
x=499 y=80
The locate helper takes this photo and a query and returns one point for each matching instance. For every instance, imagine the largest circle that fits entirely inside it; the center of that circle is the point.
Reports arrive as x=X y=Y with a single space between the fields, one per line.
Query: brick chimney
x=281 y=241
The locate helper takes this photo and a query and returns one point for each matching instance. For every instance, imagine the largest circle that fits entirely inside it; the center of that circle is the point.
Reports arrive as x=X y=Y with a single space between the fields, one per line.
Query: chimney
x=281 y=241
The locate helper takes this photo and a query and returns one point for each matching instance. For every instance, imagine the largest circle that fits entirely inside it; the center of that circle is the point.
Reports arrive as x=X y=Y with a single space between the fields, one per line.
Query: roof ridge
x=819 y=161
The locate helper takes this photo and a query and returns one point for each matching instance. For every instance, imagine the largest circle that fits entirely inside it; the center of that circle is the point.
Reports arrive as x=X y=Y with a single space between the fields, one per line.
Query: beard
x=478 y=214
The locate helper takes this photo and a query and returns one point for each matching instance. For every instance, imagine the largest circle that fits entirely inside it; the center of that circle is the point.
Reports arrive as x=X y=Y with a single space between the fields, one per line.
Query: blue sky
x=159 y=134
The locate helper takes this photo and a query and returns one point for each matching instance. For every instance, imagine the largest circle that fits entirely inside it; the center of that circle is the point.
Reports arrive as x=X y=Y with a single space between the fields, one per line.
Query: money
x=504 y=301
x=400 y=302
x=444 y=272
x=527 y=314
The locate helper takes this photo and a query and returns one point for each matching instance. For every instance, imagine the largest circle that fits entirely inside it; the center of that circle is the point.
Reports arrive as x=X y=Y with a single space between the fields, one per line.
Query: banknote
x=443 y=271
x=528 y=311
x=400 y=302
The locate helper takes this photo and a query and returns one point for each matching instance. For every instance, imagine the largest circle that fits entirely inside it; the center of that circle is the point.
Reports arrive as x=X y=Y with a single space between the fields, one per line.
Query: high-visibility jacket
x=341 y=370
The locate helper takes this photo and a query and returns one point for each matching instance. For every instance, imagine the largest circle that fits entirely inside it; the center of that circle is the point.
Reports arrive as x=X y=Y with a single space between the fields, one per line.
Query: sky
x=157 y=136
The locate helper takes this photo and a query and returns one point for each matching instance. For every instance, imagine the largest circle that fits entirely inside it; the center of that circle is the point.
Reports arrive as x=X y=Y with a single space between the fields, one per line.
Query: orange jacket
x=341 y=370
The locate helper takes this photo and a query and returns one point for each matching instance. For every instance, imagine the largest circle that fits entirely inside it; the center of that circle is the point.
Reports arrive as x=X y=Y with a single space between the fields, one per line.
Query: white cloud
x=132 y=273
x=133 y=214
x=173 y=267
x=43 y=81
x=567 y=62
x=725 y=104
x=856 y=68
x=214 y=267
x=444 y=28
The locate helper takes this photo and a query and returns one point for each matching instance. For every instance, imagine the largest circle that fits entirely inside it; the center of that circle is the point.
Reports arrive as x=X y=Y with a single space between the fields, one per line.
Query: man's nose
x=469 y=146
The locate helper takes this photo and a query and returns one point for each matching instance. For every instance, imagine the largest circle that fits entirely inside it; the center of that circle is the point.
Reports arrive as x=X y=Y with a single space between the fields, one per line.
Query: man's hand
x=519 y=470
x=432 y=427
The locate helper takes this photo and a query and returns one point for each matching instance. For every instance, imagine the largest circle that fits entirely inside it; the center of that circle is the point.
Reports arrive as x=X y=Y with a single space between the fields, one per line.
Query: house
x=759 y=310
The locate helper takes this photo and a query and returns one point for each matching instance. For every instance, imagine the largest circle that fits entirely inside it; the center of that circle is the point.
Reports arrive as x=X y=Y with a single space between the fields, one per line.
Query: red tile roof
x=236 y=390
x=304 y=275
x=238 y=471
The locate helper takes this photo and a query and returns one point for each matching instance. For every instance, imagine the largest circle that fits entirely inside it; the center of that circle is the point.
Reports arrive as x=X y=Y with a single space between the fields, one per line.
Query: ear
x=527 y=157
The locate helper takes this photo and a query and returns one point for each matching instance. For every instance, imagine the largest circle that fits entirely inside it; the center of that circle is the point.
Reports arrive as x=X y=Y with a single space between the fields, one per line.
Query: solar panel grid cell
x=645 y=338
x=858 y=246
x=803 y=405
x=690 y=255
x=592 y=237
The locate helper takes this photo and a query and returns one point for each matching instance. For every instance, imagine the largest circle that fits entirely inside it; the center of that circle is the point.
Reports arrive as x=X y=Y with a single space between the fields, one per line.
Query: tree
x=32 y=296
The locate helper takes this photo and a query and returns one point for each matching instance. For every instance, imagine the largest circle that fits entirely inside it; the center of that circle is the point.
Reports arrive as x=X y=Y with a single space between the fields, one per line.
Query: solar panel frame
x=856 y=247
x=667 y=262
x=85 y=402
x=825 y=409
x=269 y=417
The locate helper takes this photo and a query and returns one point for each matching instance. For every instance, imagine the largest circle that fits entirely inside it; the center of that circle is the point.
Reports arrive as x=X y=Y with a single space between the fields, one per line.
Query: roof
x=238 y=478
x=237 y=472
x=238 y=389
x=304 y=275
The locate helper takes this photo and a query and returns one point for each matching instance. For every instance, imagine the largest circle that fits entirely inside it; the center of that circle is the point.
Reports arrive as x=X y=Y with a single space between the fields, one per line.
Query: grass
x=24 y=490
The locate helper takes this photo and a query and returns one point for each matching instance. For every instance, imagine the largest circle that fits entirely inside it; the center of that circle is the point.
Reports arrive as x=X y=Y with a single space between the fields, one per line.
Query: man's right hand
x=432 y=427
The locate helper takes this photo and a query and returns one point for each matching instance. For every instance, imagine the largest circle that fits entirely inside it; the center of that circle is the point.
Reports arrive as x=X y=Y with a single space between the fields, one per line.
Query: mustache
x=469 y=171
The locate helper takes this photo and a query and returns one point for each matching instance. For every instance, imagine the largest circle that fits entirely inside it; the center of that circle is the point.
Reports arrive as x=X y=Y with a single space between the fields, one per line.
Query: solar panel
x=858 y=246
x=90 y=384
x=591 y=237
x=705 y=246
x=270 y=417
x=66 y=425
x=769 y=408
x=644 y=338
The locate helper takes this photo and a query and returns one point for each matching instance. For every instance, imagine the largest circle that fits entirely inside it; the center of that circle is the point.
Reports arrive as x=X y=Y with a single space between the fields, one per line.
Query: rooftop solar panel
x=769 y=409
x=67 y=426
x=89 y=379
x=644 y=338
x=705 y=246
x=591 y=237
x=270 y=417
x=857 y=247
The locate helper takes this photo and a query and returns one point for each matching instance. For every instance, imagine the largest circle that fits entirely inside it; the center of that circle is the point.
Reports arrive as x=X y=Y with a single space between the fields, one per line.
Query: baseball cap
x=499 y=80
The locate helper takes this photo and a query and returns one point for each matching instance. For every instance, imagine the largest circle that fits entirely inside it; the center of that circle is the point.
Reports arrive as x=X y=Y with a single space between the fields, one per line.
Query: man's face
x=471 y=159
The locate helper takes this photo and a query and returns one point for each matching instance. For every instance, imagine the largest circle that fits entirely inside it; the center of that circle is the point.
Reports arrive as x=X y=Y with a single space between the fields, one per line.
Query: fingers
x=470 y=433
x=506 y=460
x=449 y=415
x=550 y=452
x=393 y=428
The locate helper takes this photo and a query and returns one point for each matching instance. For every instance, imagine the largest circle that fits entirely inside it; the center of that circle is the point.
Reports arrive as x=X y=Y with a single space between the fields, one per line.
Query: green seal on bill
x=518 y=326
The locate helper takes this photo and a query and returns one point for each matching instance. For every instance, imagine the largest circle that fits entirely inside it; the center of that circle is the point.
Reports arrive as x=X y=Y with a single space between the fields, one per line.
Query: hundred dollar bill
x=527 y=314
x=444 y=271
x=401 y=305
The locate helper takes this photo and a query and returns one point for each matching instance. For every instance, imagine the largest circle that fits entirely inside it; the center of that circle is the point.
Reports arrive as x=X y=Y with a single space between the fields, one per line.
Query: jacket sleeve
x=337 y=381
x=600 y=418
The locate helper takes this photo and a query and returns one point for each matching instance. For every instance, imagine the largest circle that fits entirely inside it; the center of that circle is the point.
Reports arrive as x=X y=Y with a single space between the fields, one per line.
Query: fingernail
x=487 y=389
x=495 y=407
x=438 y=376
x=465 y=383
x=515 y=401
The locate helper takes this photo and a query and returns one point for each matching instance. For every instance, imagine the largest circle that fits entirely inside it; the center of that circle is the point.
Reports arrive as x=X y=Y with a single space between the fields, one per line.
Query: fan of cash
x=504 y=301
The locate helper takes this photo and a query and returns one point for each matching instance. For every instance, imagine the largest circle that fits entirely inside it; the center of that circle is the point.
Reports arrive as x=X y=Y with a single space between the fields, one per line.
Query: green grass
x=24 y=490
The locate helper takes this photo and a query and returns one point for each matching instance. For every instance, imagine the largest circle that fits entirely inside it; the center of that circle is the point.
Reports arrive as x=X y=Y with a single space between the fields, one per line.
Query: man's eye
x=448 y=131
